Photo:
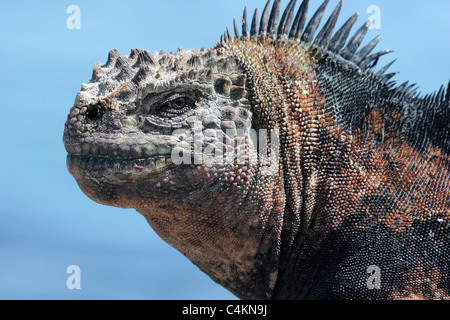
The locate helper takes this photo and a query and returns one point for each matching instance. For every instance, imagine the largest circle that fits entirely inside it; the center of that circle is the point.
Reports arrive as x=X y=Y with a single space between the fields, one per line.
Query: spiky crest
x=343 y=48
x=340 y=46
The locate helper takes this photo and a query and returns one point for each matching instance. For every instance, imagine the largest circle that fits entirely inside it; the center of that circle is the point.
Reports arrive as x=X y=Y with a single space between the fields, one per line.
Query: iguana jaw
x=115 y=170
x=101 y=162
x=119 y=158
x=120 y=146
x=128 y=183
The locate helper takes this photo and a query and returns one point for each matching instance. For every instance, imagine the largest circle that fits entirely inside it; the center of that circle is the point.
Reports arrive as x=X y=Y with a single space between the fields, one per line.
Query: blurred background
x=46 y=222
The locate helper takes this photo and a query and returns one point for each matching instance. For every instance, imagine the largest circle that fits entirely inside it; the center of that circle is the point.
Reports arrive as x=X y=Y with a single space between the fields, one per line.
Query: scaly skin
x=122 y=157
x=178 y=137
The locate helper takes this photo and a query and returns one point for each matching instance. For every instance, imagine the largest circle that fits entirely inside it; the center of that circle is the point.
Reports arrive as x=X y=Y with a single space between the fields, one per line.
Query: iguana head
x=169 y=135
x=141 y=125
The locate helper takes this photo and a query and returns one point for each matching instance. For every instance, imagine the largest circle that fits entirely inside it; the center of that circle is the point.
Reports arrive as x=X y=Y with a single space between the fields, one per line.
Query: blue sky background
x=46 y=222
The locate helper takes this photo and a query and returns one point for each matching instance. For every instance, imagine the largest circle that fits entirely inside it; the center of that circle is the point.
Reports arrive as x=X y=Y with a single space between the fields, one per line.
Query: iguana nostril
x=94 y=112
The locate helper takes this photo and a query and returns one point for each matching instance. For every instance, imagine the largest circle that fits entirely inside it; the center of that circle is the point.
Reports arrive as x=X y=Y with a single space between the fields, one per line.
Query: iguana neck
x=287 y=97
x=247 y=263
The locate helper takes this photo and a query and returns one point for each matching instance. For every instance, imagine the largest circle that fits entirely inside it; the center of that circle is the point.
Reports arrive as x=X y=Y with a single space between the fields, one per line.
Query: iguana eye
x=174 y=103
x=178 y=103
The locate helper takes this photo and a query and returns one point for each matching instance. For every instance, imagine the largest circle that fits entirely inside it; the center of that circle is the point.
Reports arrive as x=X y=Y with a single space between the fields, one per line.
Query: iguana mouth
x=120 y=146
x=116 y=157
x=99 y=162
x=116 y=170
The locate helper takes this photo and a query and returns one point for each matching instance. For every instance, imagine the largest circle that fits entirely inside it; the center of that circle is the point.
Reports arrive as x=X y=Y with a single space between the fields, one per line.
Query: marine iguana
x=283 y=164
